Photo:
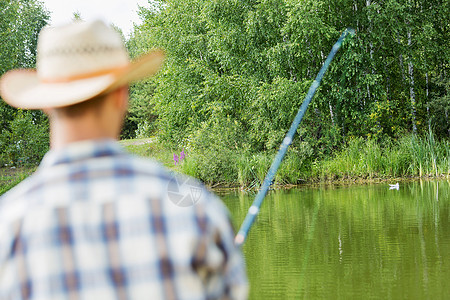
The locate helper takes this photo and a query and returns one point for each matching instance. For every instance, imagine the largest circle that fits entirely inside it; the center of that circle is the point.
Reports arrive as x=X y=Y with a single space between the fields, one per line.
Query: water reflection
x=355 y=242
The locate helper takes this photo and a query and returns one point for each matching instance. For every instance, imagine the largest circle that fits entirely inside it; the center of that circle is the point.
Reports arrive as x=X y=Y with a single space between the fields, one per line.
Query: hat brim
x=23 y=89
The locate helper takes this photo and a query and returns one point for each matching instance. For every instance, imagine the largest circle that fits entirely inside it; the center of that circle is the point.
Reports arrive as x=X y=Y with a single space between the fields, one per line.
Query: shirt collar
x=79 y=151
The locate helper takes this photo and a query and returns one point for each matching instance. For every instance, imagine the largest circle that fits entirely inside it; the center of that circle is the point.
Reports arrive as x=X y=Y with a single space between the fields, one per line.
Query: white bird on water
x=393 y=186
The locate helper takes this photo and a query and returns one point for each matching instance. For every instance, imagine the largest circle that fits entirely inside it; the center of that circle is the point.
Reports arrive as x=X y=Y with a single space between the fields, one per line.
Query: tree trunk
x=331 y=113
x=428 y=103
x=446 y=117
x=412 y=93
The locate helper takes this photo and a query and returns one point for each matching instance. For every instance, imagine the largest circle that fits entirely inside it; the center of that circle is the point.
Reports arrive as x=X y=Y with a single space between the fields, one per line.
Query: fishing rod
x=254 y=209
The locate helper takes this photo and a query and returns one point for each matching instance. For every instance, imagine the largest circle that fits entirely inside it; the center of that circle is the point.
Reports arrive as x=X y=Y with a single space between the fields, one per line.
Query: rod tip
x=351 y=31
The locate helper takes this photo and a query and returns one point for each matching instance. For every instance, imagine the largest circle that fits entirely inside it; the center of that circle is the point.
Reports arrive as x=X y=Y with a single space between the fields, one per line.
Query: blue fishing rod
x=254 y=209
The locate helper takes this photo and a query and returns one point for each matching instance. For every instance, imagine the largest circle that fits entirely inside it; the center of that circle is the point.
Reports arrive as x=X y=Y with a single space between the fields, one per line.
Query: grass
x=408 y=157
x=10 y=177
x=151 y=148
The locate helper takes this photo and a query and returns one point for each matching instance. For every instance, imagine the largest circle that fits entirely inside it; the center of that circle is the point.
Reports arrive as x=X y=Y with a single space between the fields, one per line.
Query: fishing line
x=254 y=209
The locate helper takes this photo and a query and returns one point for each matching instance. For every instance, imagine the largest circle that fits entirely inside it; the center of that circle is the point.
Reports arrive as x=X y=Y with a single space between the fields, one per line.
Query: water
x=356 y=242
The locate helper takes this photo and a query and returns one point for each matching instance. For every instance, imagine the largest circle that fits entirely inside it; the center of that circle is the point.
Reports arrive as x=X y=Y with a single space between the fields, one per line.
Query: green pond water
x=352 y=242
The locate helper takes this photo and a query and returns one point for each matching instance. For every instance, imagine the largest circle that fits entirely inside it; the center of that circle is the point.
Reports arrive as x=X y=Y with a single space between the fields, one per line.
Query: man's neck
x=103 y=121
x=66 y=131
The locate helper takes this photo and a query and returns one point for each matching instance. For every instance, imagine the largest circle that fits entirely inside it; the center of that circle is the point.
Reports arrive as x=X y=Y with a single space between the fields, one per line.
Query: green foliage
x=409 y=156
x=20 y=25
x=77 y=16
x=253 y=61
x=237 y=71
x=23 y=135
x=214 y=150
x=140 y=121
x=272 y=110
x=440 y=107
x=223 y=162
x=26 y=141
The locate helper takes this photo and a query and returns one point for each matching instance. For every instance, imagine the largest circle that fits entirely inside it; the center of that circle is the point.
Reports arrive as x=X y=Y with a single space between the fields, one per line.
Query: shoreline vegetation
x=361 y=161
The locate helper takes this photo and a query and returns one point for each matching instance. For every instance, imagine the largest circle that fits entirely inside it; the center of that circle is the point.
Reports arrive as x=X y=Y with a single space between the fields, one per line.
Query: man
x=94 y=222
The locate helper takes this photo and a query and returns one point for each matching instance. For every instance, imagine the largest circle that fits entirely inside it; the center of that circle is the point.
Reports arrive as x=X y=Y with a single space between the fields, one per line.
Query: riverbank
x=361 y=161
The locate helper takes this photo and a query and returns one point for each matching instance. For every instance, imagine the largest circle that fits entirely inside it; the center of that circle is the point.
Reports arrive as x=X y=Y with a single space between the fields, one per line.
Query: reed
x=409 y=156
x=246 y=175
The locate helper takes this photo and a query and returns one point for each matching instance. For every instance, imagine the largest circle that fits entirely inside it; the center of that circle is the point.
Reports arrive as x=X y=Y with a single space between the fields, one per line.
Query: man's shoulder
x=17 y=190
x=127 y=179
x=145 y=166
x=108 y=178
x=13 y=202
x=175 y=190
x=181 y=189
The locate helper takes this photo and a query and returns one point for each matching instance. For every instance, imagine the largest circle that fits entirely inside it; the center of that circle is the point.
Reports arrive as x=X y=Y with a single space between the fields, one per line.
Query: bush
x=214 y=150
x=25 y=141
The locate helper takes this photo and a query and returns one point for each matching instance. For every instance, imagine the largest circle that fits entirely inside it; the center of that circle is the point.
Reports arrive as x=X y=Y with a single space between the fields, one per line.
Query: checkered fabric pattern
x=94 y=222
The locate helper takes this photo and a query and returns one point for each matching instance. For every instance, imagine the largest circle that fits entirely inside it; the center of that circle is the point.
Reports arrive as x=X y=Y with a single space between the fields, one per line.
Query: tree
x=20 y=25
x=248 y=62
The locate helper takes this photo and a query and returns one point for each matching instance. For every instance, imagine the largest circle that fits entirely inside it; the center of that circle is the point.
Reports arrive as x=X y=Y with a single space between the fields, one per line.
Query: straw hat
x=75 y=63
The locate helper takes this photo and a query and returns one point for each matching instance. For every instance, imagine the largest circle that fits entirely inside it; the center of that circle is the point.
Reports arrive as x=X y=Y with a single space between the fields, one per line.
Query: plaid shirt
x=94 y=222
